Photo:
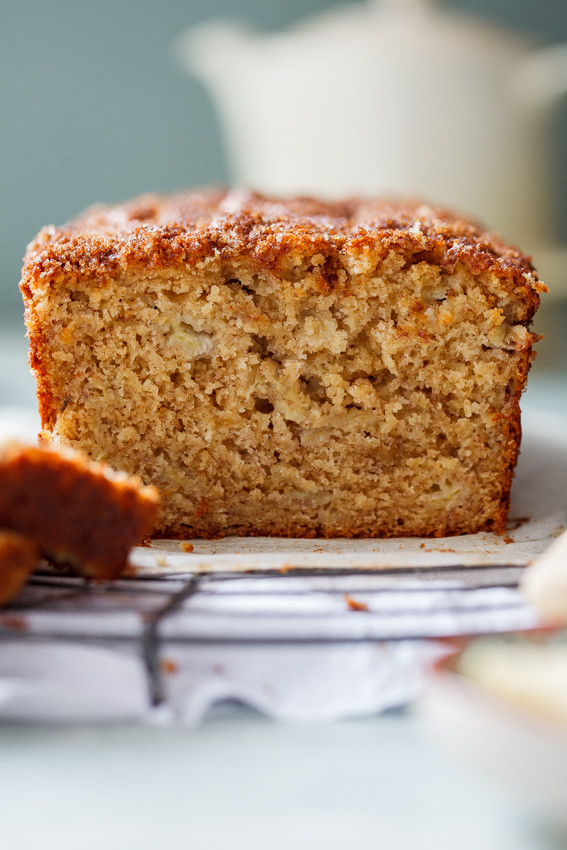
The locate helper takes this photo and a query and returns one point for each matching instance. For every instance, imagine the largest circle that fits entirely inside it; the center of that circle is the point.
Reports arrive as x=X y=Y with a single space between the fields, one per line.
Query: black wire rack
x=260 y=608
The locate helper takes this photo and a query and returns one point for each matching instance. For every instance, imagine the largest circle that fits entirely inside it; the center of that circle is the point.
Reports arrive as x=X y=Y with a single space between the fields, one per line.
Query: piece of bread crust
x=18 y=557
x=77 y=512
x=288 y=367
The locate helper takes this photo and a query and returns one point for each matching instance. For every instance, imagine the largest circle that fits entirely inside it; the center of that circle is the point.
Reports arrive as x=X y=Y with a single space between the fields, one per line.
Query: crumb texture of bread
x=77 y=512
x=289 y=368
x=18 y=557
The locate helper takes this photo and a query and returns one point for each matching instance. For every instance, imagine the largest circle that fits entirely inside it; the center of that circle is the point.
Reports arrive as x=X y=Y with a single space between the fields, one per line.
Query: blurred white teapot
x=395 y=97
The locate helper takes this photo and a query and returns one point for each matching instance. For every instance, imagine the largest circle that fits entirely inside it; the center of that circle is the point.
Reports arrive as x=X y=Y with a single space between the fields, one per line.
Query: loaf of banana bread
x=287 y=367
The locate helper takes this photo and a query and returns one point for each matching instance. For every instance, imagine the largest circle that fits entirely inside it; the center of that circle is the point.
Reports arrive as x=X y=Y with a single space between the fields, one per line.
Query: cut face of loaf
x=292 y=368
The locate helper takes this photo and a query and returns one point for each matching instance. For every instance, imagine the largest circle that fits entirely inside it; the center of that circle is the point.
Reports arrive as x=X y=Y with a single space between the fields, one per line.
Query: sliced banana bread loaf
x=287 y=367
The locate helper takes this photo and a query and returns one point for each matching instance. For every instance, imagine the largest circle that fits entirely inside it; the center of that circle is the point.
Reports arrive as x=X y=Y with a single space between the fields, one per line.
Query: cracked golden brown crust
x=161 y=230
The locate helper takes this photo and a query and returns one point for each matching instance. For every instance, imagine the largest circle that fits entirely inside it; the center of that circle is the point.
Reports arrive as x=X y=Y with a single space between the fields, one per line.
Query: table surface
x=241 y=781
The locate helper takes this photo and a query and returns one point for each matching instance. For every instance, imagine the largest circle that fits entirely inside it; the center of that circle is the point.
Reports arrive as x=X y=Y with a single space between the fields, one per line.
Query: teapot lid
x=383 y=34
x=386 y=19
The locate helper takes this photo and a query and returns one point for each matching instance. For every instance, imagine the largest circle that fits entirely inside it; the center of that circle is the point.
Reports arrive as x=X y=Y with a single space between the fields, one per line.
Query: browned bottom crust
x=18 y=557
x=496 y=524
x=77 y=512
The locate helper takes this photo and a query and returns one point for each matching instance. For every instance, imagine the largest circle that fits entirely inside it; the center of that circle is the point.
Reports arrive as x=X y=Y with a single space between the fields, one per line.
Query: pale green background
x=94 y=108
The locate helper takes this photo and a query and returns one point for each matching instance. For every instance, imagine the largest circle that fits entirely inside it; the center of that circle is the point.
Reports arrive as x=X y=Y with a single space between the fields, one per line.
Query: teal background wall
x=93 y=106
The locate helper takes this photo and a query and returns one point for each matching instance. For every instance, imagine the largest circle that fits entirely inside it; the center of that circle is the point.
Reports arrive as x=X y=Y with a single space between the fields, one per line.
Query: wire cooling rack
x=262 y=608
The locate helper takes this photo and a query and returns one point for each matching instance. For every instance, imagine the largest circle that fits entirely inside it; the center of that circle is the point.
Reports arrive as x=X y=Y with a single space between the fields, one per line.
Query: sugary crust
x=159 y=230
x=76 y=511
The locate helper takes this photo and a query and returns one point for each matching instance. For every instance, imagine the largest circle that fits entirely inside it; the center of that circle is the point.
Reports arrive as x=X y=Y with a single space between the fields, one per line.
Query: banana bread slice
x=74 y=511
x=287 y=367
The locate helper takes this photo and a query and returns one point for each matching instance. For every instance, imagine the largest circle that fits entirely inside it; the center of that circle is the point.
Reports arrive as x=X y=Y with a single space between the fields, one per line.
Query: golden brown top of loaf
x=161 y=230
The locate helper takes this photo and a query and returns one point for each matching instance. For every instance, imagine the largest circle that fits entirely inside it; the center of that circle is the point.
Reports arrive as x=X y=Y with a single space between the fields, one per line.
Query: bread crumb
x=354 y=605
x=15 y=622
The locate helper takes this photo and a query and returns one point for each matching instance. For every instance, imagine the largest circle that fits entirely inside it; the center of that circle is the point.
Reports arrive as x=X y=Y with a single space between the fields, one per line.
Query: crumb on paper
x=285 y=568
x=147 y=541
x=354 y=605
x=508 y=539
x=161 y=561
x=187 y=547
x=15 y=622
x=169 y=666
x=422 y=545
